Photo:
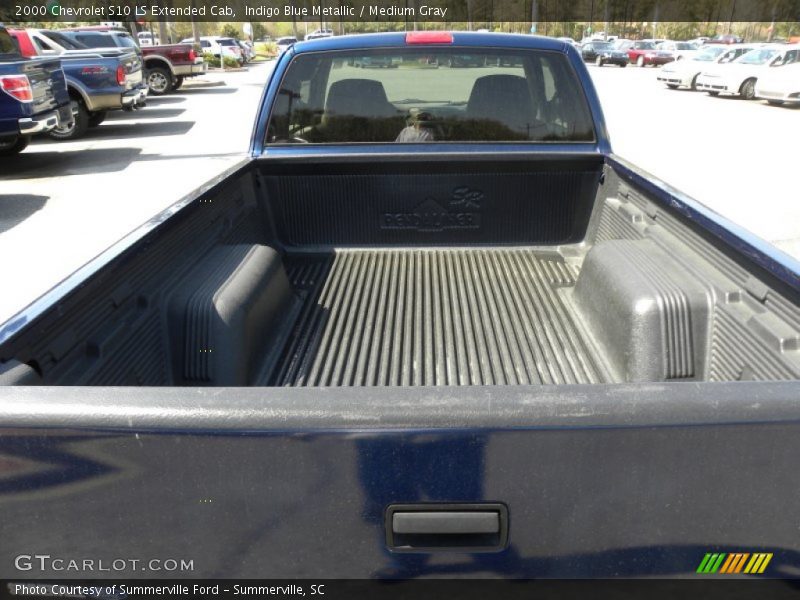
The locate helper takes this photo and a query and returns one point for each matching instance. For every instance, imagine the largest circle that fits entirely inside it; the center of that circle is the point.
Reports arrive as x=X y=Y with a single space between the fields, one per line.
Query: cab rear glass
x=64 y=41
x=425 y=94
x=8 y=44
x=94 y=40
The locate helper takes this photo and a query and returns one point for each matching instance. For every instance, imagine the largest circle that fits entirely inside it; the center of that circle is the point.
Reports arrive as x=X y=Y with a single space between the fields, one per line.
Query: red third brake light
x=429 y=37
x=17 y=86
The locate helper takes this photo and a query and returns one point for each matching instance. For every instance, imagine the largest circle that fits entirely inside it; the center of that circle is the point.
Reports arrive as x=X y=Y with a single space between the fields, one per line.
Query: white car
x=684 y=73
x=678 y=50
x=284 y=43
x=569 y=40
x=780 y=86
x=146 y=38
x=319 y=33
x=227 y=47
x=739 y=77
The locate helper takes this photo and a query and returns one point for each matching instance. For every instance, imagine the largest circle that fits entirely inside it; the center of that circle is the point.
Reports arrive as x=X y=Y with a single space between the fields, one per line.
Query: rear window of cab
x=413 y=95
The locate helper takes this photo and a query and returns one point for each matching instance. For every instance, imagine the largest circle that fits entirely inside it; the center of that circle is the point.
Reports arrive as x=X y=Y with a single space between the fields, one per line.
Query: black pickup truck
x=433 y=326
x=33 y=97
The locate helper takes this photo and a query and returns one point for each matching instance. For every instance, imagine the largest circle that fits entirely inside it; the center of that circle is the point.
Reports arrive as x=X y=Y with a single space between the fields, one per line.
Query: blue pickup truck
x=98 y=80
x=33 y=97
x=432 y=326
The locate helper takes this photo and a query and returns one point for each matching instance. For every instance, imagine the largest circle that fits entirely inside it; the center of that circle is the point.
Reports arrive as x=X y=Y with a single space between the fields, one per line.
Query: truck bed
x=605 y=353
x=434 y=317
x=324 y=273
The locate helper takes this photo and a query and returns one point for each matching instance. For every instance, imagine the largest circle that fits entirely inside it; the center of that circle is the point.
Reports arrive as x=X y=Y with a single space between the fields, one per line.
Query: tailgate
x=48 y=83
x=132 y=64
x=588 y=481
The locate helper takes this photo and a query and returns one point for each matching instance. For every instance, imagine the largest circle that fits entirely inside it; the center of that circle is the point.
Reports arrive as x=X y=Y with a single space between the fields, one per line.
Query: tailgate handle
x=479 y=527
x=446 y=523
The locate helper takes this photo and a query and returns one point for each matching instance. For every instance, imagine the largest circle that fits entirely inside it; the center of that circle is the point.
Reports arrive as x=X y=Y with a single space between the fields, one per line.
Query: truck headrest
x=358 y=98
x=502 y=98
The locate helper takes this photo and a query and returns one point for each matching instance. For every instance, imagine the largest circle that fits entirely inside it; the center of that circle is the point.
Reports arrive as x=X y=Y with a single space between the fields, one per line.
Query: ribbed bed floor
x=432 y=317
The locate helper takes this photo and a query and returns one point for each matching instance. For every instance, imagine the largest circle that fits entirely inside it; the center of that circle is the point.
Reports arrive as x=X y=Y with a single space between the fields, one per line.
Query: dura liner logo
x=734 y=562
x=462 y=212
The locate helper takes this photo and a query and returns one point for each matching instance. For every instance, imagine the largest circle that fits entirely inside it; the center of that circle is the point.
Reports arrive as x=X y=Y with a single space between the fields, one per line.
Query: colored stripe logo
x=734 y=562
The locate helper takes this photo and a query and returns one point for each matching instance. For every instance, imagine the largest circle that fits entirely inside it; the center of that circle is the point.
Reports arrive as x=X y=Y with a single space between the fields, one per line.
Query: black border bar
x=478 y=12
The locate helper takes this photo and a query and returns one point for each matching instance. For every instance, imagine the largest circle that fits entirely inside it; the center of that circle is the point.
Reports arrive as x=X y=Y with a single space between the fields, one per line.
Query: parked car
x=603 y=53
x=378 y=62
x=678 y=50
x=284 y=43
x=601 y=36
x=644 y=53
x=98 y=80
x=504 y=60
x=33 y=96
x=102 y=37
x=319 y=33
x=219 y=46
x=42 y=42
x=598 y=37
x=165 y=67
x=570 y=41
x=684 y=73
x=463 y=60
x=147 y=38
x=248 y=53
x=330 y=359
x=230 y=46
x=780 y=86
x=739 y=77
x=726 y=38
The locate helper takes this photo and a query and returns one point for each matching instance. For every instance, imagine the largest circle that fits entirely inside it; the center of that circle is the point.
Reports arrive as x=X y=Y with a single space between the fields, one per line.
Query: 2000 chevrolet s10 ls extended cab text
x=432 y=326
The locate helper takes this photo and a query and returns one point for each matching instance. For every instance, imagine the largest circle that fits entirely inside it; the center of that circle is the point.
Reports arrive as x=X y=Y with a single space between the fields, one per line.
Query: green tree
x=231 y=30
x=259 y=30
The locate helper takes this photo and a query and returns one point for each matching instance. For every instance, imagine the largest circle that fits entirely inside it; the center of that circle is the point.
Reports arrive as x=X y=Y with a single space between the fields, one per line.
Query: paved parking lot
x=63 y=203
x=738 y=157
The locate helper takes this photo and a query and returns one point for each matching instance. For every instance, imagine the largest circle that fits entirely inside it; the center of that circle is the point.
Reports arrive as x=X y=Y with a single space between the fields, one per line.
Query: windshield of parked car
x=430 y=95
x=684 y=46
x=602 y=45
x=709 y=54
x=644 y=46
x=758 y=56
x=287 y=40
x=94 y=40
x=226 y=42
x=65 y=42
x=126 y=41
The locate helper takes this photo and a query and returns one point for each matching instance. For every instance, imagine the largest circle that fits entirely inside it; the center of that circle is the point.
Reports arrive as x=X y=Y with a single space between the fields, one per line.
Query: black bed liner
x=488 y=316
x=448 y=272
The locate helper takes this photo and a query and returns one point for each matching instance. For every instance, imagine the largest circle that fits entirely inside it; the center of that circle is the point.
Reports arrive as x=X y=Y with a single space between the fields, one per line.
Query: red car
x=644 y=53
